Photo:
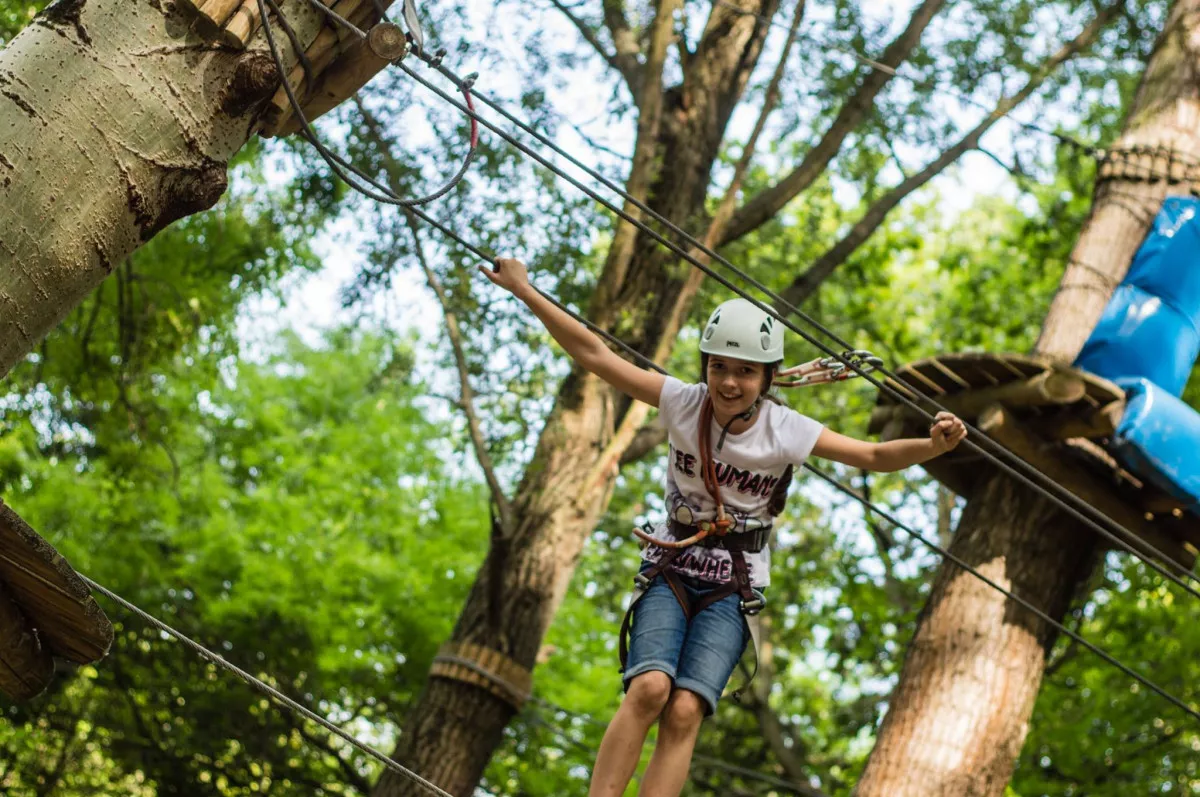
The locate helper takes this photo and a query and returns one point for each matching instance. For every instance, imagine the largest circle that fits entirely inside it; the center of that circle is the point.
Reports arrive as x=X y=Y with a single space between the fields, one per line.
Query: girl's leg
x=715 y=640
x=622 y=746
x=668 y=769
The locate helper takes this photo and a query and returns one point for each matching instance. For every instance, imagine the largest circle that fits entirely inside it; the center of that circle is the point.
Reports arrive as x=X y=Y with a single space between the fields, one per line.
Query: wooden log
x=26 y=667
x=998 y=423
x=1090 y=425
x=323 y=51
x=1047 y=388
x=340 y=82
x=211 y=16
x=243 y=25
x=50 y=593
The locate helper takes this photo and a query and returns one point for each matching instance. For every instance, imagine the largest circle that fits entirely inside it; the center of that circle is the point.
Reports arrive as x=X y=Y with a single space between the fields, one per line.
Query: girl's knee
x=685 y=710
x=649 y=692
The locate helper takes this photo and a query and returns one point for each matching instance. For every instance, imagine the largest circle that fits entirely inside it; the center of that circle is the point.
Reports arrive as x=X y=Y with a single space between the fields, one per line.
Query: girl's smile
x=734 y=385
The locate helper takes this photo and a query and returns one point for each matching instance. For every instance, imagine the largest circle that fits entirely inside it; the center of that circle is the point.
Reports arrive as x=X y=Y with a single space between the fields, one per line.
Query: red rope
x=708 y=471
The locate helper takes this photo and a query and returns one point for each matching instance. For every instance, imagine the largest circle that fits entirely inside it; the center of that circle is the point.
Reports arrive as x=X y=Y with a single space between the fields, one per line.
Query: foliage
x=309 y=511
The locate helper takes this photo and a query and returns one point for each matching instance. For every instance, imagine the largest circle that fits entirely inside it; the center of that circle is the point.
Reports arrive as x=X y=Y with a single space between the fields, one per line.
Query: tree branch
x=788 y=749
x=807 y=283
x=626 y=42
x=887 y=140
x=352 y=775
x=648 y=95
x=645 y=440
x=1014 y=170
x=769 y=202
x=728 y=204
x=464 y=376
x=627 y=68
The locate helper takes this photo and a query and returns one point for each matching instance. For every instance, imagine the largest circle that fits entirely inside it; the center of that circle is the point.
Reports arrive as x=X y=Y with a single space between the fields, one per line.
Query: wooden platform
x=1054 y=417
x=46 y=611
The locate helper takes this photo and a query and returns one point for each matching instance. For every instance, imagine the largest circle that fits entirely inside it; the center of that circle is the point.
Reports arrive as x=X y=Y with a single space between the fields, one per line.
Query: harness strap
x=643 y=581
x=750 y=605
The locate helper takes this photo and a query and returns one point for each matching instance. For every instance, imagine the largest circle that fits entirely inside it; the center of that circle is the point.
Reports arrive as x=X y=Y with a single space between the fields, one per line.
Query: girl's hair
x=778 y=499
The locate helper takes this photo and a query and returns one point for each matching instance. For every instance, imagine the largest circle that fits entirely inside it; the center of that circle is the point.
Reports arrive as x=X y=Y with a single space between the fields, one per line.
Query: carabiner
x=831 y=369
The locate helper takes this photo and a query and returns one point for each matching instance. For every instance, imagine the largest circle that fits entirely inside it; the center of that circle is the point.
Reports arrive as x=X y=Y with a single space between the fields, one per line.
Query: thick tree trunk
x=114 y=122
x=451 y=733
x=960 y=713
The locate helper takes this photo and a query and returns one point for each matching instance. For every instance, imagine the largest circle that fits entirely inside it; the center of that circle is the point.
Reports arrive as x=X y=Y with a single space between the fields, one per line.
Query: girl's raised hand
x=509 y=273
x=947 y=432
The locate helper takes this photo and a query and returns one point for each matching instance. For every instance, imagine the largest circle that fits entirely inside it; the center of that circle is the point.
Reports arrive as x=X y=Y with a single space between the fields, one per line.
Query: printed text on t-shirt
x=745 y=481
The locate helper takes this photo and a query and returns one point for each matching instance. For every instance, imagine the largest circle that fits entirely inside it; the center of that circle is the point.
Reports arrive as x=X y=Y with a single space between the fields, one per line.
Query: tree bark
x=115 y=121
x=454 y=728
x=961 y=710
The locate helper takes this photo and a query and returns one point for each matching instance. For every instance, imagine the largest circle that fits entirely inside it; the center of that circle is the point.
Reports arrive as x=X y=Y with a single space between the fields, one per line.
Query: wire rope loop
x=386 y=194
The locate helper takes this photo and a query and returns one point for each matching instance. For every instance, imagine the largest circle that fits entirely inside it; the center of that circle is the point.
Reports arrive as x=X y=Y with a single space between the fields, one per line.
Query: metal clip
x=831 y=369
x=413 y=22
x=753 y=606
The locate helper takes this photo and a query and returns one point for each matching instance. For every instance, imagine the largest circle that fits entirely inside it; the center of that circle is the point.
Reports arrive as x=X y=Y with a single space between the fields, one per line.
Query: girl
x=699 y=589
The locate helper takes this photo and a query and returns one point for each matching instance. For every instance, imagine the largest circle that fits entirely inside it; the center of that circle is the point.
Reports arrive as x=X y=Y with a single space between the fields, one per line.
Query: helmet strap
x=745 y=416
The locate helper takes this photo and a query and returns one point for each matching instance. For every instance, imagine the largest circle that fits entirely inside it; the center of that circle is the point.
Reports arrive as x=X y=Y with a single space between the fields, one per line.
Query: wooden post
x=342 y=80
x=25 y=665
x=1094 y=425
x=323 y=51
x=49 y=594
x=1047 y=388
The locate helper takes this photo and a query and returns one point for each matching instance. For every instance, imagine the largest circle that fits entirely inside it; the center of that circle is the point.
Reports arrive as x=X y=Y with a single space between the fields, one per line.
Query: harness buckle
x=753 y=606
x=642 y=582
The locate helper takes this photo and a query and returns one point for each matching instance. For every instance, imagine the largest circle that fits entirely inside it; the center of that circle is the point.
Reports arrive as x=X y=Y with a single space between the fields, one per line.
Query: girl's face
x=734 y=385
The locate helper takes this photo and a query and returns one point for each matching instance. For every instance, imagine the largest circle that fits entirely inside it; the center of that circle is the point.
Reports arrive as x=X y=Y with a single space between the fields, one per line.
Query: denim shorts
x=698 y=656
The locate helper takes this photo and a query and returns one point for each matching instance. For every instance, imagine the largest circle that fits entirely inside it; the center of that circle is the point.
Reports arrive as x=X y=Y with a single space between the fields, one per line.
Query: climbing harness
x=708 y=534
x=829 y=369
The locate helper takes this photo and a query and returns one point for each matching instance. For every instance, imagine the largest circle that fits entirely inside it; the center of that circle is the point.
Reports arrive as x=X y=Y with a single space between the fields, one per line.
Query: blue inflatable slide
x=1147 y=342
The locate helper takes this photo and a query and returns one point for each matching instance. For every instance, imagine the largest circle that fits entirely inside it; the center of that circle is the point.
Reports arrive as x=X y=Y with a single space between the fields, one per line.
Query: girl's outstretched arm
x=584 y=347
x=945 y=434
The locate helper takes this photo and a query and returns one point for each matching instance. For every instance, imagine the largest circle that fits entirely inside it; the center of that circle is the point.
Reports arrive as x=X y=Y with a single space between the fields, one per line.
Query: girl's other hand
x=947 y=432
x=509 y=273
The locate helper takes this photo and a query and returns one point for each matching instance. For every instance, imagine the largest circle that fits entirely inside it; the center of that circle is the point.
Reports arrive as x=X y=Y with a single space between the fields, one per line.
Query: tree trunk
x=451 y=733
x=114 y=122
x=959 y=716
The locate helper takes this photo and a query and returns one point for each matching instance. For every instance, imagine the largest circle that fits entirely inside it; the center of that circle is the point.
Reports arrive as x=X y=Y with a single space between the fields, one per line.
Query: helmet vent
x=767 y=325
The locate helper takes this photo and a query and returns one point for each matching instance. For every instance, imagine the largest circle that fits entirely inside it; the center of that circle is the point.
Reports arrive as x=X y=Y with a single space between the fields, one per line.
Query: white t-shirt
x=748 y=467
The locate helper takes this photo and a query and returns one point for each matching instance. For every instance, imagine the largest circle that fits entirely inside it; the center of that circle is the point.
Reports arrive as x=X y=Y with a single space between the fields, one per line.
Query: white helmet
x=742 y=330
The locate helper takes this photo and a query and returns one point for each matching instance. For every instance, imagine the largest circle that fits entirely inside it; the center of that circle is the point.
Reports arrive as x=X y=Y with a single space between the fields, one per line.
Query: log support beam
x=998 y=423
